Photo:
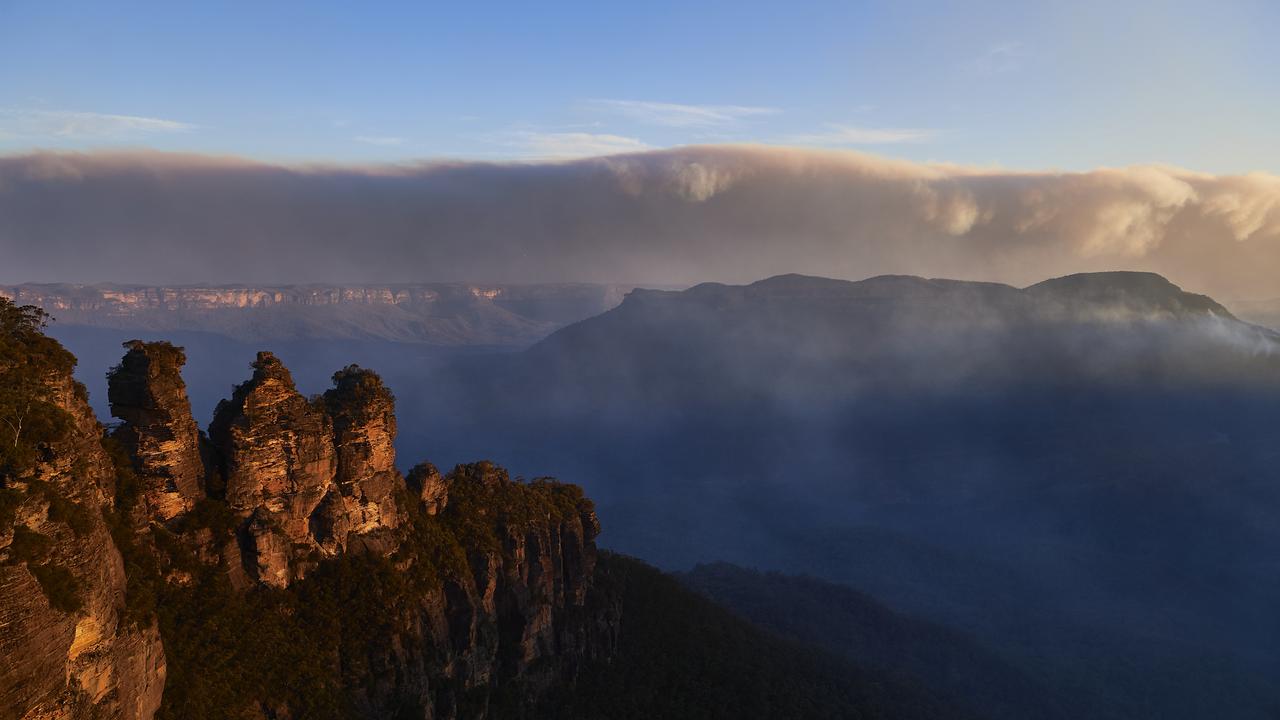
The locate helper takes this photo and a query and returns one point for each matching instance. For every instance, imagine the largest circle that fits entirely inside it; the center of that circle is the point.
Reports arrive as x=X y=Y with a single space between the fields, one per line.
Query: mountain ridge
x=1116 y=287
x=445 y=314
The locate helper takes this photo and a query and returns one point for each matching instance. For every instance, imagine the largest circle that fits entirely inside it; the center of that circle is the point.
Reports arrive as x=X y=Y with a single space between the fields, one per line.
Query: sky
x=1019 y=85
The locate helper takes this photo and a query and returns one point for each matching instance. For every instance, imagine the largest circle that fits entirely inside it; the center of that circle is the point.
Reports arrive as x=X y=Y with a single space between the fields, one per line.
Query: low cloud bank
x=724 y=213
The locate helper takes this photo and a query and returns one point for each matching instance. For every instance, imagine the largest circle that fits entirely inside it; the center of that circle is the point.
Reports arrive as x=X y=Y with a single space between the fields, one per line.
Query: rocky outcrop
x=307 y=475
x=275 y=448
x=425 y=481
x=68 y=648
x=518 y=621
x=148 y=395
x=364 y=430
x=276 y=463
x=309 y=580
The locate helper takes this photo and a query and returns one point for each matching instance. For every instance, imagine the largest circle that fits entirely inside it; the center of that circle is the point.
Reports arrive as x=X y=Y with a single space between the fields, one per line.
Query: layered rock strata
x=67 y=646
x=148 y=395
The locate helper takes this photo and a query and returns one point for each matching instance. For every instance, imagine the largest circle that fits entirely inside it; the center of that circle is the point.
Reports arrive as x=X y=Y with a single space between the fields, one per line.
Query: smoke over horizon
x=682 y=216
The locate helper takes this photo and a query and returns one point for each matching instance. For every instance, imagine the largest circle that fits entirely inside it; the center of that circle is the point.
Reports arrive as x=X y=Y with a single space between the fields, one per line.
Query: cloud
x=88 y=125
x=677 y=115
x=837 y=135
x=384 y=140
x=682 y=215
x=560 y=145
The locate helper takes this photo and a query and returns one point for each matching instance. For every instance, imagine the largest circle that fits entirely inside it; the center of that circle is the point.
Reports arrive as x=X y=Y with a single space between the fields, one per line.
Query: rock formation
x=307 y=475
x=425 y=481
x=147 y=393
x=364 y=428
x=463 y=595
x=275 y=448
x=519 y=615
x=67 y=646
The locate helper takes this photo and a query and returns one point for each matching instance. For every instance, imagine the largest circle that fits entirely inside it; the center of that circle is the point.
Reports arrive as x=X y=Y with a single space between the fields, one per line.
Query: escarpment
x=279 y=567
x=69 y=645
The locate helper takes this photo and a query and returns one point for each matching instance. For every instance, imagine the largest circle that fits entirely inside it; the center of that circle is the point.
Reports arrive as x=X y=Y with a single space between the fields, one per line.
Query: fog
x=680 y=216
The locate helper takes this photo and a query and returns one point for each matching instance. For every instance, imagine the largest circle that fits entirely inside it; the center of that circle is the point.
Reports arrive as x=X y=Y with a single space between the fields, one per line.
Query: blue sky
x=1022 y=85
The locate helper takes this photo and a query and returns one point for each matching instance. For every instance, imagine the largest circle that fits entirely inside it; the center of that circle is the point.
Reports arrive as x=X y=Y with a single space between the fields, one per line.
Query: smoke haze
x=681 y=216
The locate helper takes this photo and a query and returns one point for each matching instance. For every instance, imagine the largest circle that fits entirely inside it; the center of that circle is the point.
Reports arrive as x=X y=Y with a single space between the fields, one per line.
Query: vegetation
x=31 y=365
x=61 y=508
x=850 y=624
x=484 y=502
x=679 y=655
x=355 y=387
x=314 y=645
x=58 y=583
x=229 y=651
x=10 y=499
x=29 y=546
x=128 y=487
x=29 y=362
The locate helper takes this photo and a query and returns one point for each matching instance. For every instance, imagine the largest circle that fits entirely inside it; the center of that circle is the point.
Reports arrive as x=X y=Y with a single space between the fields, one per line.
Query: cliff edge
x=280 y=566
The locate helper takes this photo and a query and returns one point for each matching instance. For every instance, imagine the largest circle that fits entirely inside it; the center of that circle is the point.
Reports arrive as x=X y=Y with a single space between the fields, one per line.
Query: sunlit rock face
x=148 y=395
x=86 y=660
x=276 y=454
x=312 y=474
x=364 y=430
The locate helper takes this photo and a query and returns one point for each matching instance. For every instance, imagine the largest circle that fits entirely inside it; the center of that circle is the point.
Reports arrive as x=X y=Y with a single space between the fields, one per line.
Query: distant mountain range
x=445 y=314
x=433 y=314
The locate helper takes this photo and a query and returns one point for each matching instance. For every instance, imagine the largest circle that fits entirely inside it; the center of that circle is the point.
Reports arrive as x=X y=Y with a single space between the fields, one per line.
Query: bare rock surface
x=68 y=649
x=148 y=395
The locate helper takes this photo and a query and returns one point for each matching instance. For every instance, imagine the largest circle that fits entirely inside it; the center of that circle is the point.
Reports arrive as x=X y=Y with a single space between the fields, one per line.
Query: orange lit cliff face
x=434 y=313
x=111 y=299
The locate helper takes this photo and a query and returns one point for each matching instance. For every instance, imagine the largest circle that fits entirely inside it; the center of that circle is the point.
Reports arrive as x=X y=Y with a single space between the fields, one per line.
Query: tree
x=30 y=364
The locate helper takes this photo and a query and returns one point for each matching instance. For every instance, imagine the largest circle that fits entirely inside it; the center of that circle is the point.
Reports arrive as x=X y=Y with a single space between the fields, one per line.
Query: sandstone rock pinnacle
x=147 y=393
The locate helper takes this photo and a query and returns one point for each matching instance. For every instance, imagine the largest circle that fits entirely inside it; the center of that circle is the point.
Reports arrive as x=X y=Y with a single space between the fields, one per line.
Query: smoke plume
x=681 y=216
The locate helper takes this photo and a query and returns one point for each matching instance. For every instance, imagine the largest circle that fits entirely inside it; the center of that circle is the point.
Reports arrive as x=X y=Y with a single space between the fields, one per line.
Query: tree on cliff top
x=30 y=362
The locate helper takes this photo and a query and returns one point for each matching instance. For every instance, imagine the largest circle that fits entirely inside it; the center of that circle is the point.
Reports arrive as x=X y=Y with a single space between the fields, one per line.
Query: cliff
x=68 y=645
x=281 y=567
x=432 y=313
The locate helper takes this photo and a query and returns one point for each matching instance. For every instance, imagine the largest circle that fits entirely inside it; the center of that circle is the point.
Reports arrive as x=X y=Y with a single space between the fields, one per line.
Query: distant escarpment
x=442 y=314
x=280 y=566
